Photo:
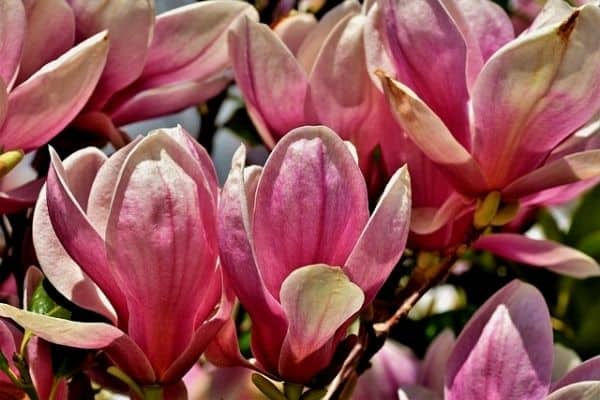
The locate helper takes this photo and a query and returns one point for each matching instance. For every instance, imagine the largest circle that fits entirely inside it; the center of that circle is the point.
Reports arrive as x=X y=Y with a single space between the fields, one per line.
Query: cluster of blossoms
x=399 y=133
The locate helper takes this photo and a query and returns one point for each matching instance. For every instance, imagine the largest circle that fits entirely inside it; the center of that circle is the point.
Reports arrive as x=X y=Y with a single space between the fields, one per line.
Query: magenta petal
x=311 y=205
x=10 y=337
x=44 y=104
x=21 y=197
x=13 y=25
x=383 y=239
x=433 y=369
x=587 y=371
x=540 y=253
x=505 y=350
x=161 y=238
x=39 y=358
x=426 y=220
x=589 y=390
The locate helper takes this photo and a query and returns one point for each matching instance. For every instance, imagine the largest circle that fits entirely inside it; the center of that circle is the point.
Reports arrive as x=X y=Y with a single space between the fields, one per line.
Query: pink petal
x=540 y=253
x=100 y=124
x=587 y=371
x=237 y=257
x=3 y=101
x=382 y=241
x=44 y=104
x=577 y=391
x=85 y=335
x=534 y=93
x=78 y=236
x=161 y=238
x=130 y=25
x=312 y=321
x=553 y=12
x=427 y=220
x=33 y=278
x=567 y=170
x=505 y=350
x=21 y=197
x=10 y=337
x=13 y=29
x=311 y=205
x=46 y=19
x=273 y=84
x=39 y=358
x=433 y=369
x=61 y=270
x=294 y=29
x=430 y=134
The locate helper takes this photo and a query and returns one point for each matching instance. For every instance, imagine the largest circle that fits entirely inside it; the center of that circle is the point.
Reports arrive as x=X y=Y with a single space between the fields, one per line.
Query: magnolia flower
x=297 y=232
x=159 y=65
x=304 y=72
x=43 y=84
x=133 y=238
x=504 y=352
x=525 y=11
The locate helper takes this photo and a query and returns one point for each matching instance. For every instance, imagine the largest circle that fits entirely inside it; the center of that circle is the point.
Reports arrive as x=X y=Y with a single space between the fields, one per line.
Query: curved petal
x=534 y=93
x=130 y=24
x=21 y=197
x=565 y=360
x=505 y=350
x=294 y=29
x=312 y=321
x=39 y=358
x=46 y=19
x=382 y=241
x=311 y=205
x=432 y=136
x=433 y=369
x=426 y=220
x=60 y=269
x=588 y=390
x=161 y=238
x=86 y=335
x=13 y=25
x=44 y=104
x=540 y=253
x=587 y=371
x=273 y=84
x=9 y=337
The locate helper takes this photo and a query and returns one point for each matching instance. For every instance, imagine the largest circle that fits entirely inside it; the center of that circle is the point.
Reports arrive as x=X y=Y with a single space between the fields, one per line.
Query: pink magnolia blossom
x=300 y=250
x=133 y=238
x=43 y=84
x=156 y=65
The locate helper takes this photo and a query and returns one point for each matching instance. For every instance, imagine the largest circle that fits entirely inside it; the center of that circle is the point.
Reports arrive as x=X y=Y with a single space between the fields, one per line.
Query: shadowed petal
x=578 y=391
x=13 y=25
x=587 y=371
x=433 y=369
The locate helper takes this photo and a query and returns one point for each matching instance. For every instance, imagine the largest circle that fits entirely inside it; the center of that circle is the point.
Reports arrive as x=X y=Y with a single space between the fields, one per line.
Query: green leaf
x=550 y=226
x=42 y=303
x=586 y=218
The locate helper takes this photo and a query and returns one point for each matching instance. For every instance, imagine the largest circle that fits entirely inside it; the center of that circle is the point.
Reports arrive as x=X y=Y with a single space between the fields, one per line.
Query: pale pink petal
x=567 y=170
x=33 y=278
x=312 y=321
x=78 y=236
x=60 y=269
x=433 y=369
x=273 y=84
x=294 y=29
x=505 y=350
x=46 y=19
x=553 y=12
x=44 y=104
x=589 y=390
x=311 y=205
x=540 y=253
x=130 y=25
x=377 y=53
x=534 y=93
x=160 y=239
x=565 y=360
x=21 y=197
x=3 y=100
x=13 y=29
x=382 y=241
x=85 y=335
x=414 y=392
x=432 y=136
x=587 y=371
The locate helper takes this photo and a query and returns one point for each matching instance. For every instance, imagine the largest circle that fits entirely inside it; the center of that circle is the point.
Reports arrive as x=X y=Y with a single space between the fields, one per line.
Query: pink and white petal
x=524 y=109
x=433 y=369
x=421 y=33
x=312 y=321
x=154 y=102
x=567 y=170
x=553 y=12
x=60 y=269
x=85 y=335
x=160 y=205
x=540 y=253
x=588 y=390
x=587 y=371
x=190 y=42
x=273 y=84
x=77 y=235
x=505 y=350
x=383 y=239
x=130 y=25
x=311 y=205
x=46 y=19
x=44 y=104
x=13 y=30
x=21 y=197
x=431 y=135
x=33 y=278
x=293 y=29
